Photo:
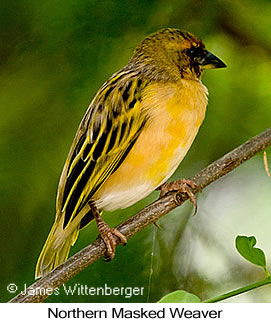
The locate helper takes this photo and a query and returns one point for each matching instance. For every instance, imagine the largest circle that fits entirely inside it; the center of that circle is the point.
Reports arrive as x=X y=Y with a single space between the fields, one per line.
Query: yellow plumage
x=135 y=133
x=173 y=124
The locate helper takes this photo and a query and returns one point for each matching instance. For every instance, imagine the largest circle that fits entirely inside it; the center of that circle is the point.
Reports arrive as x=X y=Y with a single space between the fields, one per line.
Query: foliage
x=180 y=296
x=245 y=246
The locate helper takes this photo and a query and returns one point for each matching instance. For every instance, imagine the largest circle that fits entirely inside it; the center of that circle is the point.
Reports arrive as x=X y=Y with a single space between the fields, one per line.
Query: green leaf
x=180 y=296
x=245 y=246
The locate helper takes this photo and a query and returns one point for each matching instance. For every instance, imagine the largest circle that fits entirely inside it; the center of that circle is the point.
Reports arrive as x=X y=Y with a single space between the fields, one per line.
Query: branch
x=150 y=214
x=239 y=291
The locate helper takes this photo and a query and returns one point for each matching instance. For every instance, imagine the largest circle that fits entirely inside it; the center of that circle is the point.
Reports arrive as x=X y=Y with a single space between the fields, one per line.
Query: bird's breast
x=175 y=112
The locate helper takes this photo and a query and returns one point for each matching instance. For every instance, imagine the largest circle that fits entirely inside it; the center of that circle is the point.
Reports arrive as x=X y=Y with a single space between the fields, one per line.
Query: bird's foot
x=107 y=234
x=182 y=186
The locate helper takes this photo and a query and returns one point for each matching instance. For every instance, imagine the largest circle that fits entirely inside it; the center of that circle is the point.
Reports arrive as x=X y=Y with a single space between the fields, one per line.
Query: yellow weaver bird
x=135 y=133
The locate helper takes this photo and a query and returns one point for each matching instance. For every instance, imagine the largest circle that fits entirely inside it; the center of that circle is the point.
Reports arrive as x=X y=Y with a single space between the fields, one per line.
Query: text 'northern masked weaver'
x=135 y=133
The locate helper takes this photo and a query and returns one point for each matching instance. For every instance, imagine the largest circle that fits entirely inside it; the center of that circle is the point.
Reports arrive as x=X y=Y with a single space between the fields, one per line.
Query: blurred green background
x=54 y=56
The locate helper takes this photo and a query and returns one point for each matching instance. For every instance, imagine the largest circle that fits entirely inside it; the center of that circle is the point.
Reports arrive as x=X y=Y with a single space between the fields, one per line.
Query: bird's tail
x=56 y=249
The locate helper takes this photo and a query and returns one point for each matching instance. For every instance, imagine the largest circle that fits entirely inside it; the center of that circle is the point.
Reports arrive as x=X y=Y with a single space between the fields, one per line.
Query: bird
x=133 y=136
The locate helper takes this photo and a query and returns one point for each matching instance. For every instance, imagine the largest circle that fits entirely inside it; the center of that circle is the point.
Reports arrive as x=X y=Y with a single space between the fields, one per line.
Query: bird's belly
x=155 y=156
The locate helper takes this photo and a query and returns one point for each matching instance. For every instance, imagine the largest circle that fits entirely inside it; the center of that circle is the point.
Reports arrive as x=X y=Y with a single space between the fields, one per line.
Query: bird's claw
x=108 y=235
x=182 y=186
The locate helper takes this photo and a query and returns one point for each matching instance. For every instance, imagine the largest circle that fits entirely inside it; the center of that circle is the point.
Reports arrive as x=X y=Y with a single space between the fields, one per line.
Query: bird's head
x=171 y=54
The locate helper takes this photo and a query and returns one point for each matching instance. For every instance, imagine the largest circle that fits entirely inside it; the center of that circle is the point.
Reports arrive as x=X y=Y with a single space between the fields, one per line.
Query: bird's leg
x=107 y=233
x=183 y=186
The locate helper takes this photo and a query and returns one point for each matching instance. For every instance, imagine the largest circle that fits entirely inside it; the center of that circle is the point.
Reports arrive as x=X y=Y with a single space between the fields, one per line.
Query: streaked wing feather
x=108 y=131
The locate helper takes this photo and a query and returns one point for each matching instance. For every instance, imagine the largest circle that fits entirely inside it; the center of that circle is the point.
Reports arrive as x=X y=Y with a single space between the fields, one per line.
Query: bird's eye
x=191 y=52
x=195 y=53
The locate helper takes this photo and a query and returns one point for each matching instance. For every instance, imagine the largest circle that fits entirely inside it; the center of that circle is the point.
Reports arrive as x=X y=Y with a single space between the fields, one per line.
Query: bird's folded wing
x=105 y=136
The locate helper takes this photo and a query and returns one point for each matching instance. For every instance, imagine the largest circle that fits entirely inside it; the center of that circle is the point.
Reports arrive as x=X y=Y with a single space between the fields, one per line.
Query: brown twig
x=266 y=163
x=148 y=215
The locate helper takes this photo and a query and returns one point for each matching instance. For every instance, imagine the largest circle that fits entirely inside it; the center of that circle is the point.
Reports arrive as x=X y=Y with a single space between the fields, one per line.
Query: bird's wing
x=108 y=131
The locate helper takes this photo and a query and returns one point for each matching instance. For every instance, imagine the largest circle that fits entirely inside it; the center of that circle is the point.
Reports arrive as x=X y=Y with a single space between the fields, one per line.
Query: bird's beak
x=210 y=61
